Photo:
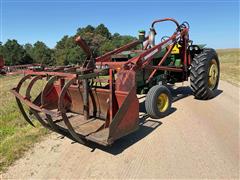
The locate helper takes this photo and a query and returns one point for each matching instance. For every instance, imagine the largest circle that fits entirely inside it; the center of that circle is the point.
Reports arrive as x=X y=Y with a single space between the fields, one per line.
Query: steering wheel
x=164 y=38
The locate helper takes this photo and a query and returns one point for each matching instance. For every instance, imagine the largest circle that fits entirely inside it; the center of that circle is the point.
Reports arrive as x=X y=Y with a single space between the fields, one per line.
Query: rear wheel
x=158 y=101
x=204 y=76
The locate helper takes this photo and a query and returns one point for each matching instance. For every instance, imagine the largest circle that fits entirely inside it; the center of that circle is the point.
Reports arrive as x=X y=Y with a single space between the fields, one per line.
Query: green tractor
x=199 y=63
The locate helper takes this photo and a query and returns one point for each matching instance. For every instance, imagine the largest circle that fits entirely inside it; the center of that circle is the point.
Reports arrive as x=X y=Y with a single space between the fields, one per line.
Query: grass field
x=16 y=136
x=230 y=65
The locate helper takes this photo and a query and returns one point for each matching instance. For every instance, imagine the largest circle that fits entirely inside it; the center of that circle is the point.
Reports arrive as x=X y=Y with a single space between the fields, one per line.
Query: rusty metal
x=20 y=106
x=85 y=99
x=97 y=101
x=160 y=63
x=164 y=68
x=84 y=46
x=36 y=101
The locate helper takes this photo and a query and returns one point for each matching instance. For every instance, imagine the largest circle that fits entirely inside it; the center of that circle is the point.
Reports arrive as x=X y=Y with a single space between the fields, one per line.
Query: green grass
x=16 y=135
x=230 y=65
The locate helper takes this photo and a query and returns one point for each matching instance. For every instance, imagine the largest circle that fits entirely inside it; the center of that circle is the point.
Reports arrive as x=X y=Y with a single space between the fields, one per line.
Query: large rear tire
x=204 y=75
x=158 y=101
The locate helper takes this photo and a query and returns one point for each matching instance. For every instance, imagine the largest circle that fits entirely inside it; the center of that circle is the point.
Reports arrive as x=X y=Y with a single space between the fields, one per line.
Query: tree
x=68 y=52
x=42 y=54
x=99 y=39
x=27 y=57
x=87 y=29
x=94 y=37
x=103 y=31
x=28 y=48
x=106 y=47
x=13 y=52
x=119 y=40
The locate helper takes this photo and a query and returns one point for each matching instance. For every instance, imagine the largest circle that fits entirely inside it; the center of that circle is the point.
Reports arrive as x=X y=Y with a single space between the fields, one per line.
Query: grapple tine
x=22 y=81
x=20 y=106
x=44 y=92
x=55 y=127
x=29 y=88
x=40 y=119
x=62 y=109
x=28 y=96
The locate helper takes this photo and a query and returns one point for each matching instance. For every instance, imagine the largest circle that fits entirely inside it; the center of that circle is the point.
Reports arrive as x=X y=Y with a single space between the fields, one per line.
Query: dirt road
x=199 y=139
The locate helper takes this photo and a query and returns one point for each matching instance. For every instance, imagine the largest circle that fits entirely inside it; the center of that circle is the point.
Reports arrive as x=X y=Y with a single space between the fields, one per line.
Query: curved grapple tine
x=57 y=128
x=20 y=106
x=40 y=119
x=28 y=96
x=49 y=119
x=29 y=88
x=62 y=109
x=22 y=81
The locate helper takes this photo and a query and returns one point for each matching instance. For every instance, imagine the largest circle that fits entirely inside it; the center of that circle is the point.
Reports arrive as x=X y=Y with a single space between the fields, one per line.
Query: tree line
x=66 y=51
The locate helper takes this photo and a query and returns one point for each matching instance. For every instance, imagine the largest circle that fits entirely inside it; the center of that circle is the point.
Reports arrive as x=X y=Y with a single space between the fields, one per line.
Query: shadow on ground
x=146 y=126
x=185 y=91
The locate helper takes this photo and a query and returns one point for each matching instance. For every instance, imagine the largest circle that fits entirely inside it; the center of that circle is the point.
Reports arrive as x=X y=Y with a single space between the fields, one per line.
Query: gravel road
x=199 y=139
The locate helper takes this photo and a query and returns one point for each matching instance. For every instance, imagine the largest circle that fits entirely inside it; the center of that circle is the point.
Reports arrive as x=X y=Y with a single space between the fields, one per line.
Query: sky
x=215 y=23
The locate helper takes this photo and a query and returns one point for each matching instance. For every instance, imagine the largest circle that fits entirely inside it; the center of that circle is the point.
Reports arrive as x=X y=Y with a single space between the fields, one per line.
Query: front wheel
x=158 y=101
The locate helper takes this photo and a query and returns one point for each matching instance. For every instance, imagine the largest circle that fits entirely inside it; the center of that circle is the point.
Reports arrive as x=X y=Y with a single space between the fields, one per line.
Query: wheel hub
x=162 y=102
x=213 y=74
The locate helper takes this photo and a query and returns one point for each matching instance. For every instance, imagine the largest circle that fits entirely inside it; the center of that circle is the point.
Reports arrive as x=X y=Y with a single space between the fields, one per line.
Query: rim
x=213 y=74
x=162 y=102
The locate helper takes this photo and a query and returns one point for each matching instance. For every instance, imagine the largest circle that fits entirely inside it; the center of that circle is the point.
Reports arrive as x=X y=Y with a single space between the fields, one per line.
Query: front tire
x=204 y=74
x=158 y=102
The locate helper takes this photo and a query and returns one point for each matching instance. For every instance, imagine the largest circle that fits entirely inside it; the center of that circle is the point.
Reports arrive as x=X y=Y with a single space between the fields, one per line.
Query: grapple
x=84 y=103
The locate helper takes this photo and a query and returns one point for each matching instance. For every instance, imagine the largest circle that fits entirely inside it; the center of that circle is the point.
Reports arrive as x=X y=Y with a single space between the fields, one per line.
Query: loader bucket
x=84 y=106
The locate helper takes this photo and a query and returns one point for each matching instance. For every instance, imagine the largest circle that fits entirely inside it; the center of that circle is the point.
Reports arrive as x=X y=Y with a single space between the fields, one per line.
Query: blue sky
x=215 y=23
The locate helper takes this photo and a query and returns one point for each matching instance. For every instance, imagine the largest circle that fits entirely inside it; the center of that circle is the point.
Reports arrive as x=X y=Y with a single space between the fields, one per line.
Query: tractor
x=97 y=101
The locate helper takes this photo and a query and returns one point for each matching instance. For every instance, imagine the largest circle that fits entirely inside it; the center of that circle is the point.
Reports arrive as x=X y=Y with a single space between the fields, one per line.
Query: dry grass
x=16 y=136
x=230 y=65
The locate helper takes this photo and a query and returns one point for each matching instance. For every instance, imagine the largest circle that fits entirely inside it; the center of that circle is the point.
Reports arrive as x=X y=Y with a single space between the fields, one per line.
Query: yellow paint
x=212 y=74
x=175 y=49
x=162 y=102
